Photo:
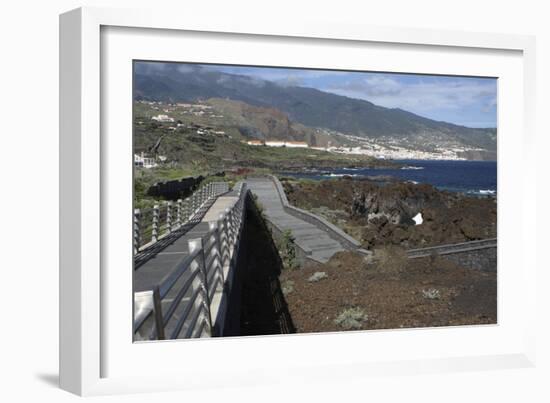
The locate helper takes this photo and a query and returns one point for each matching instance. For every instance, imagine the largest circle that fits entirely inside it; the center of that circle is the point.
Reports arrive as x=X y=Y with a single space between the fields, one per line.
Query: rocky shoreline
x=381 y=213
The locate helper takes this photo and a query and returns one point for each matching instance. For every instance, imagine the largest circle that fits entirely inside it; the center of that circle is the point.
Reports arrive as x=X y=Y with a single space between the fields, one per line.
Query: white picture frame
x=86 y=302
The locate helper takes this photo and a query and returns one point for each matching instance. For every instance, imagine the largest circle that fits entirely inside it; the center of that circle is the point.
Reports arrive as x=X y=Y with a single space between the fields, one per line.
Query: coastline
x=472 y=178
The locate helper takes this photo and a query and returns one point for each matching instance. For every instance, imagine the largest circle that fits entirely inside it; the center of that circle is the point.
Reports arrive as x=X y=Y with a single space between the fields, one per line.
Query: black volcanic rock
x=382 y=213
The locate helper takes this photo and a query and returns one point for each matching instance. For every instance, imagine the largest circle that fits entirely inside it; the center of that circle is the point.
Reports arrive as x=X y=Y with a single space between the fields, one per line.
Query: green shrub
x=287 y=287
x=317 y=276
x=431 y=293
x=287 y=250
x=351 y=318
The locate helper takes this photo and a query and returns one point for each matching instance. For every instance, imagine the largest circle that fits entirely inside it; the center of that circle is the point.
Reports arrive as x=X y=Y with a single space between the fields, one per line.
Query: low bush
x=351 y=318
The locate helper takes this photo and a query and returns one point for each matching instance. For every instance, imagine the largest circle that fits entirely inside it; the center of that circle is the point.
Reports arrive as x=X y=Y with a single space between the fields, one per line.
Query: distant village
x=377 y=148
x=197 y=109
x=367 y=148
x=282 y=143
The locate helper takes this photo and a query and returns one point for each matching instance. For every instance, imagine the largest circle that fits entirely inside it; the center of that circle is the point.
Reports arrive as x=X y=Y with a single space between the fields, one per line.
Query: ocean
x=470 y=177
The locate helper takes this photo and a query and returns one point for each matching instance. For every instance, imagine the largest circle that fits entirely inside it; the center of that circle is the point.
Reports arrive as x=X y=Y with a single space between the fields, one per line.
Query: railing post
x=155 y=224
x=168 y=217
x=187 y=209
x=214 y=228
x=157 y=309
x=195 y=244
x=224 y=244
x=231 y=228
x=178 y=213
x=193 y=204
x=203 y=195
x=137 y=230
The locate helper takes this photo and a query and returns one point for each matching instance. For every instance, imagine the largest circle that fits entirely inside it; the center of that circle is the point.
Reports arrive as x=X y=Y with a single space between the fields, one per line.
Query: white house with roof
x=140 y=160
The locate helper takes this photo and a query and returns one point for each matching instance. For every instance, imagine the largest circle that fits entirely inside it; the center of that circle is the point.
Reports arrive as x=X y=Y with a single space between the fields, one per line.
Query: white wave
x=340 y=175
x=411 y=167
x=487 y=192
x=413 y=182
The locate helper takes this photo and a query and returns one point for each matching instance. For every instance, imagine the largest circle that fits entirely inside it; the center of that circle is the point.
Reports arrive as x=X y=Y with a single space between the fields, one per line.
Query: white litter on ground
x=418 y=219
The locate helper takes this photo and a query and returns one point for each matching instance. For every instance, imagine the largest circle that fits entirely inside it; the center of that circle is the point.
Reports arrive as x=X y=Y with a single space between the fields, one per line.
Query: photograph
x=280 y=200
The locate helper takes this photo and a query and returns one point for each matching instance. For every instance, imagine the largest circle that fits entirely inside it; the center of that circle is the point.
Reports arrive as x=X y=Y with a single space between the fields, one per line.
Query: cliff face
x=267 y=123
x=258 y=122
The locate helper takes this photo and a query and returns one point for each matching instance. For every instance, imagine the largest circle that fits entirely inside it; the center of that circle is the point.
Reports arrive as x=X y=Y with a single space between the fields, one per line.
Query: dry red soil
x=391 y=293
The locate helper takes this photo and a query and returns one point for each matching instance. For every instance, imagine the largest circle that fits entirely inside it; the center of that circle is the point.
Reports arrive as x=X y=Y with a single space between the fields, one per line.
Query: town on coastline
x=382 y=148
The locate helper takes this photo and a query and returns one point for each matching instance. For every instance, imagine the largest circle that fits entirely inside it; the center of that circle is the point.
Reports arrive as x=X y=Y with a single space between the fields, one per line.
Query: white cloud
x=378 y=85
x=421 y=96
x=282 y=76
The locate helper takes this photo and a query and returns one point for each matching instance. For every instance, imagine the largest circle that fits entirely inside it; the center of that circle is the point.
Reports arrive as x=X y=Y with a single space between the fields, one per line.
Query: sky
x=466 y=101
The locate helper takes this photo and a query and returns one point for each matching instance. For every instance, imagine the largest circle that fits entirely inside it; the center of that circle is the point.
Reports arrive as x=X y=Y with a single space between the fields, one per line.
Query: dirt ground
x=394 y=292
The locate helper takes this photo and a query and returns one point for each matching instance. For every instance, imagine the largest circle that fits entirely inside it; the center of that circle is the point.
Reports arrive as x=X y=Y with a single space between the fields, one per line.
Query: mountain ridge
x=308 y=106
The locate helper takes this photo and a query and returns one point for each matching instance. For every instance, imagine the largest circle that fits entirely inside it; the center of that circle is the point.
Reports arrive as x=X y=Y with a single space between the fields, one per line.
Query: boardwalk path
x=164 y=261
x=307 y=236
x=153 y=270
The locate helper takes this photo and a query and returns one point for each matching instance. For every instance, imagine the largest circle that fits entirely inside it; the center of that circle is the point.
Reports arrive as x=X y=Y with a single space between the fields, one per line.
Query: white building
x=275 y=143
x=163 y=118
x=140 y=160
x=296 y=144
x=278 y=143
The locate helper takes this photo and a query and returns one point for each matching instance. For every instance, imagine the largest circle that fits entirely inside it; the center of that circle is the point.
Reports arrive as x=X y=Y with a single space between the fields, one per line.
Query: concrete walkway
x=165 y=261
x=306 y=235
x=153 y=271
x=219 y=207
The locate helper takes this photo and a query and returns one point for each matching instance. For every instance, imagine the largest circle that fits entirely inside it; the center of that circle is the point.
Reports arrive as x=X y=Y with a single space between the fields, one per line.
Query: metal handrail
x=211 y=260
x=153 y=224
